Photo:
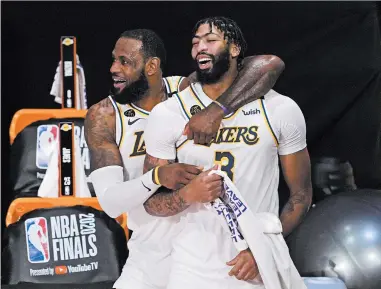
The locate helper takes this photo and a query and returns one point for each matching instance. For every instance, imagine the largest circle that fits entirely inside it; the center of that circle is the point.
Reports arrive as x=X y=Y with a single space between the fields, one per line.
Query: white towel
x=50 y=183
x=81 y=99
x=262 y=233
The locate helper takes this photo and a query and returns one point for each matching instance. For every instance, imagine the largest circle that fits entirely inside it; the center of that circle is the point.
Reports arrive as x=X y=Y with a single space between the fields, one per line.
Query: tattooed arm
x=297 y=172
x=164 y=202
x=115 y=195
x=289 y=124
x=200 y=188
x=257 y=76
x=100 y=136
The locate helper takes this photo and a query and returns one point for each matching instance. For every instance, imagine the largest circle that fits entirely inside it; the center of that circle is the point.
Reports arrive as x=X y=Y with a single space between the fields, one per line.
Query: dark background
x=332 y=53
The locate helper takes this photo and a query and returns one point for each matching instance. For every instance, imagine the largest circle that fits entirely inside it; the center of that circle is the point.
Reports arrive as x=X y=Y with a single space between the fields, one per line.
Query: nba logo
x=37 y=241
x=47 y=135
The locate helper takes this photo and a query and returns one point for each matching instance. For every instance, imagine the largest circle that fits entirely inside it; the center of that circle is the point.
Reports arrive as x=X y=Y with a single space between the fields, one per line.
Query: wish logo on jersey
x=36 y=232
x=47 y=135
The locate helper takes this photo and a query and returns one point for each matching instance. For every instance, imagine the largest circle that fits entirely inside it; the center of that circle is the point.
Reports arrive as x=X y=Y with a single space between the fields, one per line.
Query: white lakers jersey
x=247 y=147
x=130 y=124
x=149 y=246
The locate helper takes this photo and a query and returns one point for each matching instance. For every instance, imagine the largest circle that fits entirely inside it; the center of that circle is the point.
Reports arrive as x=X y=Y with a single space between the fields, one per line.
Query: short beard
x=221 y=64
x=133 y=92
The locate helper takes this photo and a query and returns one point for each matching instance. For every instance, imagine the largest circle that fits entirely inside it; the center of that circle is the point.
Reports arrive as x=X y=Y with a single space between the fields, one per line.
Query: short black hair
x=231 y=31
x=152 y=45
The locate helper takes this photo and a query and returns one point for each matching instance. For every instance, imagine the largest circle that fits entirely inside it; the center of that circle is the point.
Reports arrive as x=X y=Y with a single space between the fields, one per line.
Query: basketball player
x=114 y=133
x=246 y=148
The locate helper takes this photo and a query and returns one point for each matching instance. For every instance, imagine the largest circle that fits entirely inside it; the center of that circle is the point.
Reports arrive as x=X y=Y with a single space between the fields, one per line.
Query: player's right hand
x=204 y=188
x=177 y=175
x=245 y=267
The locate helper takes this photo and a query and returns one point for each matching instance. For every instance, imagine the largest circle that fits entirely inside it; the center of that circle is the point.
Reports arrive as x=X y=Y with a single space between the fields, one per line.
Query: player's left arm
x=295 y=162
x=257 y=76
x=297 y=172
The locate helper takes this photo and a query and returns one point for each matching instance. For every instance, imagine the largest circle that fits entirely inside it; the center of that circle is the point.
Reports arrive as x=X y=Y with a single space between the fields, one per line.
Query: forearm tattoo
x=164 y=202
x=258 y=75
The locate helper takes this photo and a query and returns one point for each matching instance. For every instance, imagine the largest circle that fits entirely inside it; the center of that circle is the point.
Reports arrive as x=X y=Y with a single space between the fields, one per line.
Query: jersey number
x=226 y=161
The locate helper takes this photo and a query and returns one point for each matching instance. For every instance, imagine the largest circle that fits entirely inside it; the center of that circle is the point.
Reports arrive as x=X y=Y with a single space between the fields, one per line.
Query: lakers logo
x=247 y=135
x=129 y=113
x=195 y=109
x=139 y=147
x=67 y=41
x=65 y=127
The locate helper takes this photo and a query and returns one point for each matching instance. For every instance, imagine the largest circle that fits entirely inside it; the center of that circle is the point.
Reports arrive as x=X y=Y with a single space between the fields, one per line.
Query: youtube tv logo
x=60 y=270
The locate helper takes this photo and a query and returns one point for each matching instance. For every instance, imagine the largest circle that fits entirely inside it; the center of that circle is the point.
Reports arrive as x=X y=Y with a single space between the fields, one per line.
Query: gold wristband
x=156 y=175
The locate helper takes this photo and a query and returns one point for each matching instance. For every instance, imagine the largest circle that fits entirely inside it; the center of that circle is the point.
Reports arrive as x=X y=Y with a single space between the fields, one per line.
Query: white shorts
x=145 y=270
x=135 y=278
x=149 y=261
x=200 y=252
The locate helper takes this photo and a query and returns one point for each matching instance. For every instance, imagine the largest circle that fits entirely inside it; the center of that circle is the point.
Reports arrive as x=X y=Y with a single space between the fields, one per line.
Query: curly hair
x=231 y=31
